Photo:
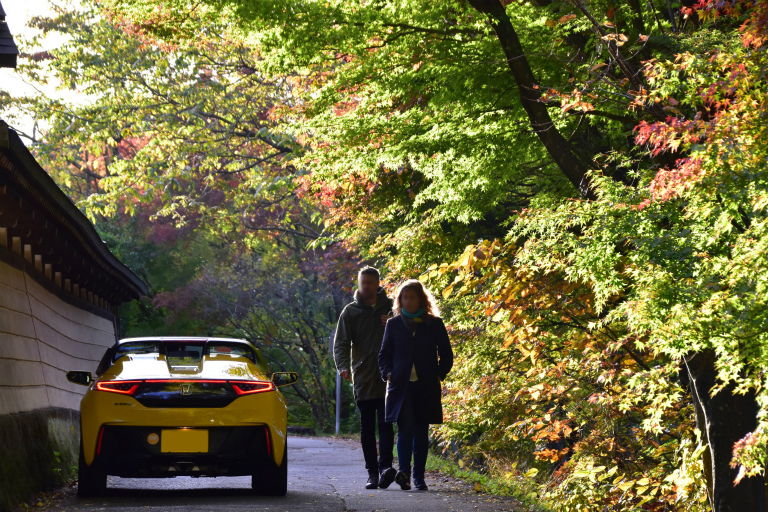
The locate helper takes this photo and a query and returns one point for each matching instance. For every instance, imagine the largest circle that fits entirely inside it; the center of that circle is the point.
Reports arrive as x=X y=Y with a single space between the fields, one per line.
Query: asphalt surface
x=323 y=475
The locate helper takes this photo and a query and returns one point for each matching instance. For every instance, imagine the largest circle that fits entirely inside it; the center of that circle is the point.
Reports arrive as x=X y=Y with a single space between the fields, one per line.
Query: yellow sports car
x=170 y=406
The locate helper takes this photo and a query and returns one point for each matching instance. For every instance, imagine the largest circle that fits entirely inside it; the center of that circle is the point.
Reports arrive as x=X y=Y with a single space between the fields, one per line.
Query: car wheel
x=90 y=481
x=272 y=481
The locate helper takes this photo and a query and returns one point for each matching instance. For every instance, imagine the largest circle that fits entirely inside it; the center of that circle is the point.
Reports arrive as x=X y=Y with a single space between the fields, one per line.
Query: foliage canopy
x=583 y=181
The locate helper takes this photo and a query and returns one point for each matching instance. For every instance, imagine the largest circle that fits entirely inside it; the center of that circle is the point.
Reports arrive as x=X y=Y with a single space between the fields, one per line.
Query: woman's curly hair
x=425 y=296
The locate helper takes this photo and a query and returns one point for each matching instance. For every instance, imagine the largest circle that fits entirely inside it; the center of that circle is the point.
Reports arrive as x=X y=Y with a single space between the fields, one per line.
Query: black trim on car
x=126 y=451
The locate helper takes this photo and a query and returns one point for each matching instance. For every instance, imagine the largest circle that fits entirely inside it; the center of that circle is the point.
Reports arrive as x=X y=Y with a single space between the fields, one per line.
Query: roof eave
x=43 y=181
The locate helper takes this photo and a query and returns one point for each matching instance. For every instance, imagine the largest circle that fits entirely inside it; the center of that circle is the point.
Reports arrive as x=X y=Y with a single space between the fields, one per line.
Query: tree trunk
x=558 y=146
x=723 y=419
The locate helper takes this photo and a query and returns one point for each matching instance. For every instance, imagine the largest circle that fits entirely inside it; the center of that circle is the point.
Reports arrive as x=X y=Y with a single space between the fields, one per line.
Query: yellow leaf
x=500 y=315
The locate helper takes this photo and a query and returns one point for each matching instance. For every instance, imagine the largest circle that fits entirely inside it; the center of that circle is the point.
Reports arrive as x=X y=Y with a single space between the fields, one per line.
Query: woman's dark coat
x=426 y=345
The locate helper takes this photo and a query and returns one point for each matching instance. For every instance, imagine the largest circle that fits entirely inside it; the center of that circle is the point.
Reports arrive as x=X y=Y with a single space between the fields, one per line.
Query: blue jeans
x=412 y=436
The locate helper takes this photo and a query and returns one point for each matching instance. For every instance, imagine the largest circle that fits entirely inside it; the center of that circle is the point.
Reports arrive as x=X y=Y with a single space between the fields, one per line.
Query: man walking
x=356 y=353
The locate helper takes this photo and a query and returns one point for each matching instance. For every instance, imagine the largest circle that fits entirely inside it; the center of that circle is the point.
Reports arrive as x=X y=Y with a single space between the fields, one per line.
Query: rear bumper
x=252 y=413
x=126 y=451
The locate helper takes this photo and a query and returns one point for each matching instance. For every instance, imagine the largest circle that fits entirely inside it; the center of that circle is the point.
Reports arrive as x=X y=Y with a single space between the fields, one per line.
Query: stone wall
x=43 y=334
x=41 y=338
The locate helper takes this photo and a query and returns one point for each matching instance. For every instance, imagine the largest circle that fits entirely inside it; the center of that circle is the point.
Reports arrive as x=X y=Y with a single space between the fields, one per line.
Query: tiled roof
x=8 y=49
x=39 y=214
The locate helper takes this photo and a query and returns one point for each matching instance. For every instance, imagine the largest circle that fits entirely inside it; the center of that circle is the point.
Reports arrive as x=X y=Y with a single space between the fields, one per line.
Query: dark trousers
x=412 y=436
x=371 y=416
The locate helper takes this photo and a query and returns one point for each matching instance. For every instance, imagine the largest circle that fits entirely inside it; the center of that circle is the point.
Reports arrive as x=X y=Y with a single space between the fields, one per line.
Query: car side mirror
x=82 y=378
x=285 y=378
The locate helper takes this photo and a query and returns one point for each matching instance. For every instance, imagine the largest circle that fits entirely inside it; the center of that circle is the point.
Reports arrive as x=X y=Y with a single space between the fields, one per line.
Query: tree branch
x=556 y=144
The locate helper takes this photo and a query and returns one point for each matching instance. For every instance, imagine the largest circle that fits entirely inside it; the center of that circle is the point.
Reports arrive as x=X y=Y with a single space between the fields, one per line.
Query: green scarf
x=412 y=315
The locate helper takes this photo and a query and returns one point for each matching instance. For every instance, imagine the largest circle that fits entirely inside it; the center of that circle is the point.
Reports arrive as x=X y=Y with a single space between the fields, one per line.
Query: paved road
x=323 y=475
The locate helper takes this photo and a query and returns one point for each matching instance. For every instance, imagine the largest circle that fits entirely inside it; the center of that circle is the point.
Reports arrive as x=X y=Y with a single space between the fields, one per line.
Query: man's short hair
x=370 y=271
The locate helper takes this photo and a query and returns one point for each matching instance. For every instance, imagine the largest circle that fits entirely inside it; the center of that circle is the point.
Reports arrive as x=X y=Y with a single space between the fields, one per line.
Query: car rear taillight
x=250 y=387
x=185 y=386
x=124 y=387
x=184 y=381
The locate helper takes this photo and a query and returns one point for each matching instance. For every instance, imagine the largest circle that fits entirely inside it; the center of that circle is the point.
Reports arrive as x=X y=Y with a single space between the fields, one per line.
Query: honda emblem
x=185 y=389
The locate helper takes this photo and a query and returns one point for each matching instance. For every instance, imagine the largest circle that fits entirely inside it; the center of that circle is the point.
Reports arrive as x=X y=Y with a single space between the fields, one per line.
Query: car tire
x=272 y=481
x=90 y=481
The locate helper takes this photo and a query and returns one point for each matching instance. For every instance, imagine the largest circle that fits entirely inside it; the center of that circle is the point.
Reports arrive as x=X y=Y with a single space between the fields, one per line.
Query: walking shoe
x=373 y=480
x=420 y=485
x=403 y=480
x=386 y=477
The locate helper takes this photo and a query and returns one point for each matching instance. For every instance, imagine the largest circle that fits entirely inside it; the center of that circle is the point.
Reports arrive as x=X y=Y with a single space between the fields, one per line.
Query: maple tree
x=646 y=298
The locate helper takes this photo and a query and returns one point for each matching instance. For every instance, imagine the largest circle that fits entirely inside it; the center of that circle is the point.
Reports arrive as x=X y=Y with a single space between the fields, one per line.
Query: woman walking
x=415 y=356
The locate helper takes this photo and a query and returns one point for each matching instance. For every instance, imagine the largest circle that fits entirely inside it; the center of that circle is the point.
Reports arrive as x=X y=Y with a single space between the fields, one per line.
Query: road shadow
x=167 y=494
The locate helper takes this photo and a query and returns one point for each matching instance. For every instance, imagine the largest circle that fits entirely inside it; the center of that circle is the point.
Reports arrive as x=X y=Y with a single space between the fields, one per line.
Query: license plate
x=184 y=440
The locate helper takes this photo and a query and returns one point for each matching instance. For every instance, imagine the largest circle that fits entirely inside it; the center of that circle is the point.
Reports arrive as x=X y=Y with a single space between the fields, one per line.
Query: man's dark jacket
x=426 y=345
x=358 y=341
